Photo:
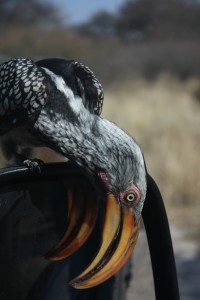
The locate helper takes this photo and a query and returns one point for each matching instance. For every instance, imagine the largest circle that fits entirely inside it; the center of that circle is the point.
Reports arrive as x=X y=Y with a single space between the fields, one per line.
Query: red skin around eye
x=131 y=189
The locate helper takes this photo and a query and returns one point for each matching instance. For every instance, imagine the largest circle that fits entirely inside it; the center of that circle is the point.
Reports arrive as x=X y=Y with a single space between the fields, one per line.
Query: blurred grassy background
x=150 y=70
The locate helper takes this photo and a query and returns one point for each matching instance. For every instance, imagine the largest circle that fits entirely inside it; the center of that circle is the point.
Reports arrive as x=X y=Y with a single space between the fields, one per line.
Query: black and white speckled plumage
x=63 y=113
x=23 y=92
x=25 y=87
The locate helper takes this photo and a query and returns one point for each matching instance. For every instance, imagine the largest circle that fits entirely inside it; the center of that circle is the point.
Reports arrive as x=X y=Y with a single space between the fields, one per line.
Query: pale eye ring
x=130 y=197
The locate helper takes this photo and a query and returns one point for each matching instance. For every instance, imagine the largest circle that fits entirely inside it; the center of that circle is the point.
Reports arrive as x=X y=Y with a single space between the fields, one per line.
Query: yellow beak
x=119 y=236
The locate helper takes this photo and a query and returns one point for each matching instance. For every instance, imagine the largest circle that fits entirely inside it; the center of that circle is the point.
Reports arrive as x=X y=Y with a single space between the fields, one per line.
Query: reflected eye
x=130 y=197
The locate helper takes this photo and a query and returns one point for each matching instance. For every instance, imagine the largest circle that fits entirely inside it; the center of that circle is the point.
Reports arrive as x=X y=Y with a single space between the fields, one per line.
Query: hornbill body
x=56 y=104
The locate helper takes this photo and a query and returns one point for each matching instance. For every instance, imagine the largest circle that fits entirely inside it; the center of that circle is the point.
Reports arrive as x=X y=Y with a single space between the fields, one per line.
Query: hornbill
x=56 y=103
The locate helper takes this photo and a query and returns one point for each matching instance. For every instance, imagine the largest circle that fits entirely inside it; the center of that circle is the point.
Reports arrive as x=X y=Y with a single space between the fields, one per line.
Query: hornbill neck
x=75 y=133
x=92 y=142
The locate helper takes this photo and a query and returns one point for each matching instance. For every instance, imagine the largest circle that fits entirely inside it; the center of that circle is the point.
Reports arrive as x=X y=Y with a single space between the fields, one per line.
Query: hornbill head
x=117 y=167
x=123 y=183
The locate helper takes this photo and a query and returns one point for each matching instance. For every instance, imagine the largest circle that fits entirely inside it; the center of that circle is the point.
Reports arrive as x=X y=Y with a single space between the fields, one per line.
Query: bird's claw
x=33 y=165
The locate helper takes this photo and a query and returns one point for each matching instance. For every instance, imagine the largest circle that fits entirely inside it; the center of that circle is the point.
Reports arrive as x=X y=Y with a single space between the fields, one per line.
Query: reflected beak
x=119 y=236
x=82 y=215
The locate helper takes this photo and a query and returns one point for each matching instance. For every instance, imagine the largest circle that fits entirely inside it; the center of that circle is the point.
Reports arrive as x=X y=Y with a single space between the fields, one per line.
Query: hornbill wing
x=25 y=86
x=80 y=79
x=23 y=92
x=91 y=87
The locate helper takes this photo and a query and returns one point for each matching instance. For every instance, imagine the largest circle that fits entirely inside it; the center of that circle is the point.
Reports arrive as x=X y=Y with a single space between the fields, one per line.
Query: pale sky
x=81 y=10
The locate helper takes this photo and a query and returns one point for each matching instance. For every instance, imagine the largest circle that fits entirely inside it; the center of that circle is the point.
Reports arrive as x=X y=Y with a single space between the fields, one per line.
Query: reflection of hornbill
x=56 y=103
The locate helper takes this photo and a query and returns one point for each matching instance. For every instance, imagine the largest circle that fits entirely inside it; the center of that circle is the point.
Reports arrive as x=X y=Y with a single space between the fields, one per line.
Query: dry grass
x=111 y=58
x=164 y=117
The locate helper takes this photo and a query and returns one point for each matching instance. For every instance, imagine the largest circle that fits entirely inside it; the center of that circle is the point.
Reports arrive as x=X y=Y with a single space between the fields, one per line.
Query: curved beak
x=119 y=236
x=82 y=215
